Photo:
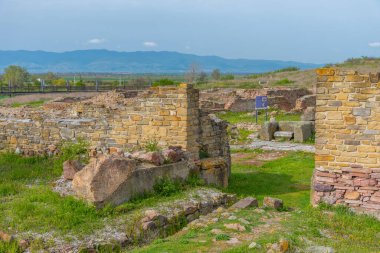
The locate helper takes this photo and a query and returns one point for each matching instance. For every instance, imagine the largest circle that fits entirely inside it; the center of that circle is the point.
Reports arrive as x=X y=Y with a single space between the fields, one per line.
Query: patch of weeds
x=32 y=104
x=194 y=180
x=152 y=145
x=11 y=247
x=222 y=237
x=311 y=139
x=203 y=154
x=77 y=150
x=284 y=81
x=166 y=187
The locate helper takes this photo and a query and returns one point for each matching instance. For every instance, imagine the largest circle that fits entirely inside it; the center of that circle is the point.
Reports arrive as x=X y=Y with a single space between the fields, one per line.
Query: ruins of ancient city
x=189 y=126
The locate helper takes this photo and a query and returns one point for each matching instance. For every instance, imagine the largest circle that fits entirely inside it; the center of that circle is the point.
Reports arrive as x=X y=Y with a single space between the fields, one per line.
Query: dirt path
x=48 y=96
x=279 y=146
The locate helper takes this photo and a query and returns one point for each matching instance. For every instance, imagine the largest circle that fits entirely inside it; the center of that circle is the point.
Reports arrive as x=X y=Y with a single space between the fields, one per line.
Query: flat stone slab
x=246 y=202
x=280 y=146
x=283 y=135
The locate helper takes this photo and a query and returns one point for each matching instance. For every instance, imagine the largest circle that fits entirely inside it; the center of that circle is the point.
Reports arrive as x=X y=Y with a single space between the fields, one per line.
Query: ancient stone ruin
x=243 y=100
x=347 y=161
x=117 y=126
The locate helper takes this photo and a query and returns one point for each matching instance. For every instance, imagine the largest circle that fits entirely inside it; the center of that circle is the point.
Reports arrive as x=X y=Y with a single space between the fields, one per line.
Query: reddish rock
x=155 y=158
x=5 y=237
x=23 y=244
x=173 y=154
x=70 y=168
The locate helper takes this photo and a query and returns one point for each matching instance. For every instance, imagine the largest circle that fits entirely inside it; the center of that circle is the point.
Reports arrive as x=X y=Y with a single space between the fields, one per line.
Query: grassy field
x=29 y=204
x=243 y=117
x=286 y=177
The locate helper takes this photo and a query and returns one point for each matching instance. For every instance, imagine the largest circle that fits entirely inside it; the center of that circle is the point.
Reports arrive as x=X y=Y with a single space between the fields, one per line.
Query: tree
x=216 y=74
x=192 y=73
x=50 y=77
x=16 y=75
x=202 y=78
x=59 y=82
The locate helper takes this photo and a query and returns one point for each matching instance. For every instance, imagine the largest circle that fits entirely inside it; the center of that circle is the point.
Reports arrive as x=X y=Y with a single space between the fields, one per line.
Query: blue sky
x=320 y=31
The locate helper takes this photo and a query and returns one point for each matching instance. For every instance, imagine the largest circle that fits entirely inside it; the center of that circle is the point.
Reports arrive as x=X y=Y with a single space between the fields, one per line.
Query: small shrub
x=227 y=77
x=203 y=154
x=222 y=237
x=194 y=180
x=152 y=145
x=166 y=187
x=163 y=82
x=74 y=150
x=284 y=81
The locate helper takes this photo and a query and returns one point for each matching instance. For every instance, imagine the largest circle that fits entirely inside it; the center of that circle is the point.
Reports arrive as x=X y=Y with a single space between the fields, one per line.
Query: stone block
x=283 y=135
x=362 y=112
x=308 y=114
x=267 y=130
x=70 y=168
x=303 y=131
x=115 y=180
x=214 y=171
x=246 y=202
x=273 y=203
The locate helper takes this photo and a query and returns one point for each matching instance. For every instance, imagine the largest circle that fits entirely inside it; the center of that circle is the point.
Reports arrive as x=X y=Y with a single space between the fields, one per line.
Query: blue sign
x=261 y=102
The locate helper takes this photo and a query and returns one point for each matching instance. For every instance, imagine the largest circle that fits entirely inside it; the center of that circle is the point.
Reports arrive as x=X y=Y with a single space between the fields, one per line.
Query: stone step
x=283 y=135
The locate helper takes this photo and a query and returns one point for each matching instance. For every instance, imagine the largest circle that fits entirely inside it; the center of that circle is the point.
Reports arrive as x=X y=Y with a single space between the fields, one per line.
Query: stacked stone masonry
x=115 y=122
x=243 y=100
x=348 y=140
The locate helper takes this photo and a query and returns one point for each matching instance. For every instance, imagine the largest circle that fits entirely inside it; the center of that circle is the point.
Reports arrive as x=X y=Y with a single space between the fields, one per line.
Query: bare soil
x=49 y=96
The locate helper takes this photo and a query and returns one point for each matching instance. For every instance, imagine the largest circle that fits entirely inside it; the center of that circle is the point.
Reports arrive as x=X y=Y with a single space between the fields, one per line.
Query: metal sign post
x=261 y=103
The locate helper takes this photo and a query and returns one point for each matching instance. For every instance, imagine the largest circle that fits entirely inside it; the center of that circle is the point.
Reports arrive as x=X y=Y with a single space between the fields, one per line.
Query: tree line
x=17 y=76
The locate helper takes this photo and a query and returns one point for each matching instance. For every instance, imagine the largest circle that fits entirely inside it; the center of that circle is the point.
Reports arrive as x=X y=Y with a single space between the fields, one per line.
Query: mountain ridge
x=102 y=60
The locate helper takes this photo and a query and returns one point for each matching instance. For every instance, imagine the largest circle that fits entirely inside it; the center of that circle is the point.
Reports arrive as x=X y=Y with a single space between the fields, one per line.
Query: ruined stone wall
x=243 y=100
x=347 y=161
x=110 y=122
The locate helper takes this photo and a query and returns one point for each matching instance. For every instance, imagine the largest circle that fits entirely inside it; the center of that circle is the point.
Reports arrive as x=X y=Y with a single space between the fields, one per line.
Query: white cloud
x=96 y=41
x=150 y=44
x=374 y=44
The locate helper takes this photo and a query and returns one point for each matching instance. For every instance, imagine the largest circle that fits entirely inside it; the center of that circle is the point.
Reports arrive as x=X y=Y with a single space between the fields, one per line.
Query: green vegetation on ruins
x=29 y=204
x=244 y=117
x=286 y=177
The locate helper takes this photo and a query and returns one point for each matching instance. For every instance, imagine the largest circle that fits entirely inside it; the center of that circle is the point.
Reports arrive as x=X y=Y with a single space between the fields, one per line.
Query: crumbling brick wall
x=112 y=122
x=347 y=160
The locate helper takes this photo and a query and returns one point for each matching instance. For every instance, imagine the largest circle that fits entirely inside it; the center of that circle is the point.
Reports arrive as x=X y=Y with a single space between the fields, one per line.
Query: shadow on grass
x=263 y=183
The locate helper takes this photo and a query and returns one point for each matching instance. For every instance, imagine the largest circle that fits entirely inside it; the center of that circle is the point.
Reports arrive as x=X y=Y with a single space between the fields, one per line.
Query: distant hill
x=135 y=62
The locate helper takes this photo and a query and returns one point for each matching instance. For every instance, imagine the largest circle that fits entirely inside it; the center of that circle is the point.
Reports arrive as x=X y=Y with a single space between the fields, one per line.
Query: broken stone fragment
x=215 y=171
x=273 y=203
x=246 y=202
x=267 y=130
x=99 y=181
x=5 y=237
x=323 y=187
x=173 y=154
x=155 y=158
x=70 y=168
x=235 y=226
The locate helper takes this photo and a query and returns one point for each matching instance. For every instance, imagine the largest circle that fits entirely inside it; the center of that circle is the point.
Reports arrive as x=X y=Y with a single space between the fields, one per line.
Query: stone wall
x=347 y=161
x=243 y=100
x=114 y=122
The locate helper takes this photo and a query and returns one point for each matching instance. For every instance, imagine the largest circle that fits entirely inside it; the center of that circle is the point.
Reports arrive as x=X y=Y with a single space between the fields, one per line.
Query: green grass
x=284 y=81
x=36 y=103
x=28 y=204
x=287 y=178
x=242 y=117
